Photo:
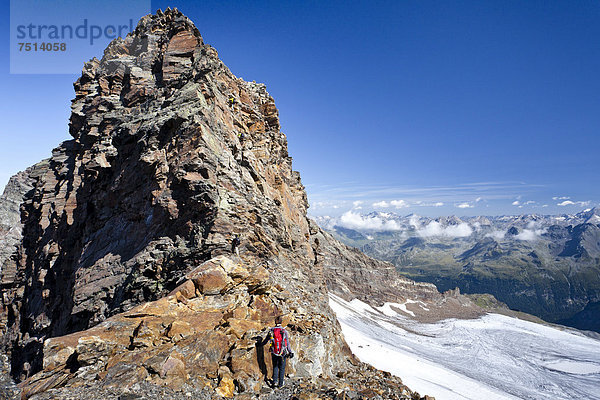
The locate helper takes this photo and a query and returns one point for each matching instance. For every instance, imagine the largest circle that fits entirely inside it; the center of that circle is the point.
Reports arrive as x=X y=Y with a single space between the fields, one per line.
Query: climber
x=235 y=245
x=280 y=351
x=231 y=101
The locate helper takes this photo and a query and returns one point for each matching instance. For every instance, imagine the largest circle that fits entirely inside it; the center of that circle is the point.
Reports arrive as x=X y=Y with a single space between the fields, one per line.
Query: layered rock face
x=10 y=215
x=125 y=271
x=15 y=192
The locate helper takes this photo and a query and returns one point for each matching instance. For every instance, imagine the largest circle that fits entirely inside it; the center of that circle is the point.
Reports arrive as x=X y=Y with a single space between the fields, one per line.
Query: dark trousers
x=278 y=369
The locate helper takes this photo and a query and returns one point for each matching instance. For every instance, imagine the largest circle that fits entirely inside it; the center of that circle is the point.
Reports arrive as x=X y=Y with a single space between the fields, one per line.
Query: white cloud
x=394 y=203
x=399 y=203
x=357 y=203
x=477 y=200
x=414 y=221
x=352 y=220
x=532 y=224
x=530 y=234
x=424 y=204
x=496 y=234
x=381 y=204
x=566 y=203
x=520 y=204
x=319 y=205
x=561 y=198
x=434 y=228
x=573 y=203
x=464 y=205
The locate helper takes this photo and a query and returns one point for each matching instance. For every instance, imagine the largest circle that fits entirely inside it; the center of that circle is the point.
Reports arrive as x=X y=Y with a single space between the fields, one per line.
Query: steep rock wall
x=161 y=172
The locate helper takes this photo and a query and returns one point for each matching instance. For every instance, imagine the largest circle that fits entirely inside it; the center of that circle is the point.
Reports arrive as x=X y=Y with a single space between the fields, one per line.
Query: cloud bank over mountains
x=353 y=220
x=435 y=228
x=388 y=222
x=523 y=228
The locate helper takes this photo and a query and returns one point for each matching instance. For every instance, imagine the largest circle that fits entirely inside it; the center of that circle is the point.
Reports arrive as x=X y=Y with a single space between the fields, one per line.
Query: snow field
x=492 y=357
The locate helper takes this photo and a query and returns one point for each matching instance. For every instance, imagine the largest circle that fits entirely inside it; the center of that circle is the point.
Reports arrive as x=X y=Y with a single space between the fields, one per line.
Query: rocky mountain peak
x=171 y=156
x=590 y=216
x=125 y=271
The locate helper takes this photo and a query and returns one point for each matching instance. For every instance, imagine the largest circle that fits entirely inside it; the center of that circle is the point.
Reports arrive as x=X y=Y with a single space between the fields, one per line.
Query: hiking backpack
x=278 y=344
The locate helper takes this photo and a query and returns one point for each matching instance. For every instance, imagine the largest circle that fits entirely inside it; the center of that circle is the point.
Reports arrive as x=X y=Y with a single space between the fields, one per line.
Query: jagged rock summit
x=125 y=276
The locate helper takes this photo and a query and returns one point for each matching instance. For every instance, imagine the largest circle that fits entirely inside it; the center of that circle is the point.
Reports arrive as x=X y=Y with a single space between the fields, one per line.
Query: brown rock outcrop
x=166 y=342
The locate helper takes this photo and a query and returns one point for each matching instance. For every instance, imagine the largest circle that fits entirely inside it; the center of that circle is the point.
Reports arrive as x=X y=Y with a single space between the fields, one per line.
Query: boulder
x=226 y=387
x=92 y=350
x=187 y=289
x=239 y=327
x=174 y=368
x=56 y=354
x=212 y=280
x=178 y=330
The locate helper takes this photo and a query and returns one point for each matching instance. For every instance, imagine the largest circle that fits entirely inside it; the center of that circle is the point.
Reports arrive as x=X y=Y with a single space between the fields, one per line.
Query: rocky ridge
x=124 y=276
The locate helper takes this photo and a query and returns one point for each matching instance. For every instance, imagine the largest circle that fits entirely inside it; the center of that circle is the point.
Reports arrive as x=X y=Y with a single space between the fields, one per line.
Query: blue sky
x=436 y=108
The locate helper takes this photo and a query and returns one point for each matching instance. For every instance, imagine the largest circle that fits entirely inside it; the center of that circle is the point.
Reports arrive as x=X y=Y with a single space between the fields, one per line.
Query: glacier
x=492 y=357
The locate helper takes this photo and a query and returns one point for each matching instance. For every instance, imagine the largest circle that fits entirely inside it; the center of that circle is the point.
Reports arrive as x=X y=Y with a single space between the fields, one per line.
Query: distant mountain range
x=546 y=265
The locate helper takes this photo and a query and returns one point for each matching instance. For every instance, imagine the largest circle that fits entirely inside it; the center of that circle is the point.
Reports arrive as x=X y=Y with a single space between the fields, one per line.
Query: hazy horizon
x=364 y=212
